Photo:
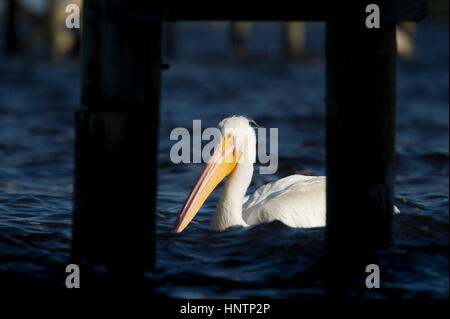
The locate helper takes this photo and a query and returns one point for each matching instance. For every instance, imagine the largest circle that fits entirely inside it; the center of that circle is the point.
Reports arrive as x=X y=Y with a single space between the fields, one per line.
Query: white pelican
x=296 y=200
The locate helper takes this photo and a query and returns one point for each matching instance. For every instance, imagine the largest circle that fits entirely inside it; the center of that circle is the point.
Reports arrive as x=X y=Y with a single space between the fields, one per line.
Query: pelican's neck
x=229 y=209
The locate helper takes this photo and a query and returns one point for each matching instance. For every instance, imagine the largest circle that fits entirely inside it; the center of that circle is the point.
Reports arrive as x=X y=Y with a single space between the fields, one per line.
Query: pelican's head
x=238 y=145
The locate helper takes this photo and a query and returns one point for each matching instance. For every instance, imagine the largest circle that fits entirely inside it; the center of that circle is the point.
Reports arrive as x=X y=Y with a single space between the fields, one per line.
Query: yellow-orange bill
x=221 y=164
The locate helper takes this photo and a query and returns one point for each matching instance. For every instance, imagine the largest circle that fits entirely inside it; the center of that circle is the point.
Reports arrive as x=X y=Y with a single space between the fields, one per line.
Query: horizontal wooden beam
x=404 y=10
x=318 y=10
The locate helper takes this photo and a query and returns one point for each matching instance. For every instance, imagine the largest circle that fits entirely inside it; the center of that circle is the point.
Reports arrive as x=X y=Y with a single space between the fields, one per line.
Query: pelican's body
x=296 y=200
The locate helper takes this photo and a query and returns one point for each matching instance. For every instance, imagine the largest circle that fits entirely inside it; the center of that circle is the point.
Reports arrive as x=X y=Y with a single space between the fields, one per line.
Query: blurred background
x=273 y=72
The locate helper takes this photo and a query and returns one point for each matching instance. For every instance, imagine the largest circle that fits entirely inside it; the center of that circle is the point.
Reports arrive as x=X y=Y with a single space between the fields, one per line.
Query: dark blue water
x=37 y=101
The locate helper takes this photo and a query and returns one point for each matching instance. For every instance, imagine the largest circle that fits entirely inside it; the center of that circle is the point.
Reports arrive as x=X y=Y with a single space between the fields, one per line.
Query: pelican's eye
x=227 y=141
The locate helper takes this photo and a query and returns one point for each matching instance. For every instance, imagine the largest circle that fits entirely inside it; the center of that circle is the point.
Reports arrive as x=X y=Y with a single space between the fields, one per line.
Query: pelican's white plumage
x=296 y=200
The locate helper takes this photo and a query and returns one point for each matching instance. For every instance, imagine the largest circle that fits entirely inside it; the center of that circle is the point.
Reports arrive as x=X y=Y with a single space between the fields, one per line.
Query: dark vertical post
x=52 y=29
x=170 y=34
x=406 y=33
x=361 y=84
x=116 y=140
x=239 y=32
x=11 y=32
x=294 y=40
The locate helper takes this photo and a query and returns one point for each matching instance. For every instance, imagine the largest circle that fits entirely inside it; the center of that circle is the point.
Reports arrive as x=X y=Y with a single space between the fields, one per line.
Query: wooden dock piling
x=11 y=28
x=294 y=40
x=53 y=29
x=360 y=99
x=169 y=39
x=361 y=85
x=116 y=140
x=239 y=34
